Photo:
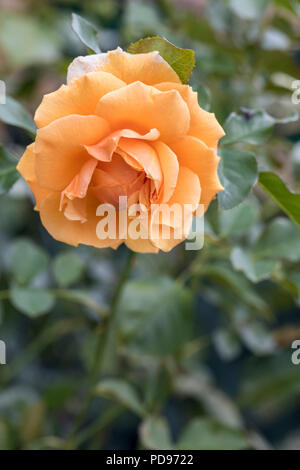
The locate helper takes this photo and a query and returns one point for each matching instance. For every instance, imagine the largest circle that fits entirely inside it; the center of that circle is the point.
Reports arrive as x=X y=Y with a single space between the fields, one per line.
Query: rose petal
x=149 y=68
x=195 y=155
x=141 y=108
x=170 y=168
x=104 y=149
x=80 y=97
x=146 y=156
x=26 y=167
x=203 y=124
x=59 y=148
x=73 y=232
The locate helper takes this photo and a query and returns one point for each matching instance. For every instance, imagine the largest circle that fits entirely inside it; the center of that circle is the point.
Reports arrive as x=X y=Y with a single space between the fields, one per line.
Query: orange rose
x=124 y=125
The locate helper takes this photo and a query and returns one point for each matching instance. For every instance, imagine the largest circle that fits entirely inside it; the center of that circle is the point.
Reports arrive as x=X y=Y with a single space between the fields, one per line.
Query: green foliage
x=27 y=260
x=122 y=392
x=32 y=301
x=281 y=239
x=206 y=434
x=181 y=60
x=86 y=32
x=253 y=127
x=176 y=350
x=155 y=434
x=13 y=113
x=249 y=9
x=275 y=187
x=68 y=268
x=255 y=269
x=155 y=316
x=8 y=172
x=238 y=174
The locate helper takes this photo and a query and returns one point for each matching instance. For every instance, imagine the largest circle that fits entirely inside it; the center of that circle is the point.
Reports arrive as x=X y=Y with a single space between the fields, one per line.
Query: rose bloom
x=124 y=125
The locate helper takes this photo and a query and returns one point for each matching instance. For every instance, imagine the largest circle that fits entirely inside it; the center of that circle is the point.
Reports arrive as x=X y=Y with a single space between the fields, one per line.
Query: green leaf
x=238 y=174
x=122 y=392
x=14 y=114
x=32 y=301
x=8 y=173
x=207 y=434
x=155 y=434
x=281 y=239
x=239 y=220
x=27 y=260
x=255 y=269
x=249 y=9
x=68 y=268
x=181 y=60
x=86 y=31
x=289 y=202
x=251 y=126
x=155 y=316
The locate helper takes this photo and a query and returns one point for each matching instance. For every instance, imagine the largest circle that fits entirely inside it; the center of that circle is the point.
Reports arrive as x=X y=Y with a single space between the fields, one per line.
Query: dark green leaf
x=14 y=114
x=181 y=60
x=275 y=187
x=86 y=32
x=251 y=126
x=8 y=173
x=32 y=301
x=238 y=174
x=27 y=260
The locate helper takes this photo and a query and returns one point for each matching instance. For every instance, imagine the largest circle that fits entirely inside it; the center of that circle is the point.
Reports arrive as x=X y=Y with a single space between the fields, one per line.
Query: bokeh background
x=203 y=339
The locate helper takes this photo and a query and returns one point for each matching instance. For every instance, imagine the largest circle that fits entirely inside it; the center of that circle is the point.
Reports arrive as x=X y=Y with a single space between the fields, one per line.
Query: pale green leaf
x=32 y=301
x=122 y=392
x=27 y=260
x=68 y=268
x=255 y=269
x=249 y=9
x=155 y=434
x=86 y=31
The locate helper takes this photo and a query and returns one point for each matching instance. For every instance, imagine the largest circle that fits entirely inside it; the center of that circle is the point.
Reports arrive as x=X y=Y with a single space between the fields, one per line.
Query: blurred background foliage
x=202 y=339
